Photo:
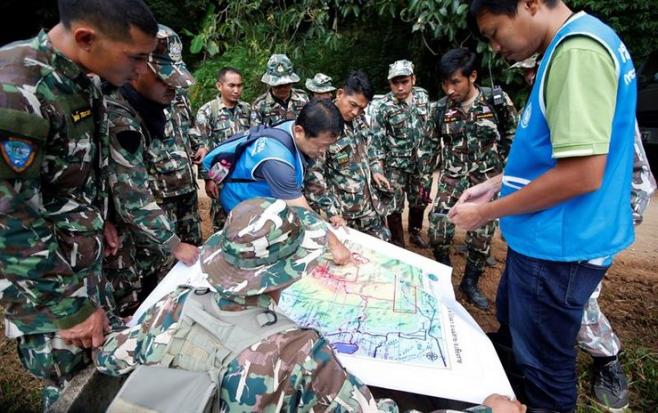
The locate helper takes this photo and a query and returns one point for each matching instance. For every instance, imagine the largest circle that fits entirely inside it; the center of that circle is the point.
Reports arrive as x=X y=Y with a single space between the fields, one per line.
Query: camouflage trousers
x=183 y=212
x=408 y=183
x=121 y=270
x=51 y=359
x=595 y=335
x=371 y=224
x=217 y=215
x=442 y=231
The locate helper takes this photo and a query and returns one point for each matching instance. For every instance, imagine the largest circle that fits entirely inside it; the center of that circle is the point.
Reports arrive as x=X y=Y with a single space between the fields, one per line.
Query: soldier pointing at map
x=268 y=363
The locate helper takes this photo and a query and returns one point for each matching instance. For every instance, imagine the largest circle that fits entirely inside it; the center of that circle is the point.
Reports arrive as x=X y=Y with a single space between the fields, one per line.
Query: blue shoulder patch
x=17 y=153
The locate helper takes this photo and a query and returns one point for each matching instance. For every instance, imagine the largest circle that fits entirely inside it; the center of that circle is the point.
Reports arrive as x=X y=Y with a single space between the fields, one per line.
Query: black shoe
x=416 y=239
x=395 y=226
x=491 y=261
x=415 y=226
x=443 y=256
x=469 y=286
x=610 y=387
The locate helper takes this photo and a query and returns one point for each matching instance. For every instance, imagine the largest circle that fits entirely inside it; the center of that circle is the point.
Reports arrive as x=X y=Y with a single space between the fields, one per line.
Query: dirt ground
x=629 y=299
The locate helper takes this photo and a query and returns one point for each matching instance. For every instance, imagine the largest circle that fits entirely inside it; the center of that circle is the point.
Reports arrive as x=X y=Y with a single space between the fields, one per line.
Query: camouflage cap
x=166 y=60
x=265 y=246
x=528 y=63
x=320 y=83
x=279 y=71
x=400 y=68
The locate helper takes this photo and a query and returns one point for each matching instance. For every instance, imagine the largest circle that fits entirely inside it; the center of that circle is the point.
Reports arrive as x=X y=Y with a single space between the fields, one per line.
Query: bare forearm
x=570 y=178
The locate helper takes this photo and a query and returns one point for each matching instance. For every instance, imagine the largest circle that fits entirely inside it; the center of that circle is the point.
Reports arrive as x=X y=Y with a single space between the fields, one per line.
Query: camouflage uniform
x=135 y=212
x=402 y=127
x=292 y=370
x=268 y=111
x=172 y=173
x=53 y=138
x=169 y=160
x=340 y=182
x=215 y=123
x=596 y=336
x=472 y=147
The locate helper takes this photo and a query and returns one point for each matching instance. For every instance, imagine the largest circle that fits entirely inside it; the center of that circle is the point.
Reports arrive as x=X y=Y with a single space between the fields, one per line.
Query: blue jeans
x=542 y=302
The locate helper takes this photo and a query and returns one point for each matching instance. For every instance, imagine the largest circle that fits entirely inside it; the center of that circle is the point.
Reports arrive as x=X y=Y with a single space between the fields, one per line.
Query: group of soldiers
x=382 y=159
x=99 y=183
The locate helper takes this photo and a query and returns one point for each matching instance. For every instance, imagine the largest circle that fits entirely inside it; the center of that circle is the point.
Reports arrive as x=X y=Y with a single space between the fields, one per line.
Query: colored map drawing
x=376 y=309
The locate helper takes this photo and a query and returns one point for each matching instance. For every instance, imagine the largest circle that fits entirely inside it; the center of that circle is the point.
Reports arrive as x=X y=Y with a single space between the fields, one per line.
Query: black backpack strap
x=441 y=108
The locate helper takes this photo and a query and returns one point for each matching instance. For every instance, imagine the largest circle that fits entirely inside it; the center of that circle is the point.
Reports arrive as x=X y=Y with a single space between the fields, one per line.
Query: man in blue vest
x=565 y=191
x=275 y=167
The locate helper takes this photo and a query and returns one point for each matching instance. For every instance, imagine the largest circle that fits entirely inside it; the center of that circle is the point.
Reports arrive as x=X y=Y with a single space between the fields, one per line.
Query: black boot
x=416 y=226
x=442 y=255
x=469 y=287
x=395 y=226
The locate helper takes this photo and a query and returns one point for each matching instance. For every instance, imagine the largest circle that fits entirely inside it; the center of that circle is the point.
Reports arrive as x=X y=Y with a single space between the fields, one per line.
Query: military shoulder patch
x=18 y=153
x=342 y=158
x=80 y=114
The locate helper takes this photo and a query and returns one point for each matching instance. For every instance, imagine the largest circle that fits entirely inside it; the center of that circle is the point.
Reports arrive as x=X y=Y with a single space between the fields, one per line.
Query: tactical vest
x=206 y=340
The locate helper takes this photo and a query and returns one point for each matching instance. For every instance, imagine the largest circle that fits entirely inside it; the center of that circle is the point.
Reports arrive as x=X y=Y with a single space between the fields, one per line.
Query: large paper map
x=392 y=319
x=377 y=309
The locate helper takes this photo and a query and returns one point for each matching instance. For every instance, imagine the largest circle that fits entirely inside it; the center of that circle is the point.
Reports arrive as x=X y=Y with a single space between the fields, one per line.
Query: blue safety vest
x=242 y=184
x=593 y=225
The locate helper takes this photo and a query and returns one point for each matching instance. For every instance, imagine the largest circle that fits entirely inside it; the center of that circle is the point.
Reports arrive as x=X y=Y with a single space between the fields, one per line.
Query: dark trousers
x=542 y=302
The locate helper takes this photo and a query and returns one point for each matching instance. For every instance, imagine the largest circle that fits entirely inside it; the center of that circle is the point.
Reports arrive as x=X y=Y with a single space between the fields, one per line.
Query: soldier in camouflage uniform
x=281 y=101
x=170 y=154
x=288 y=370
x=472 y=134
x=135 y=212
x=276 y=366
x=53 y=139
x=218 y=120
x=402 y=120
x=343 y=183
x=320 y=86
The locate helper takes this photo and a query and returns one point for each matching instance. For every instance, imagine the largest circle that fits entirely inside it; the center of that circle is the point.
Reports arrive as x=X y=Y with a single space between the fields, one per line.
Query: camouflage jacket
x=170 y=158
x=643 y=184
x=215 y=123
x=268 y=111
x=339 y=183
x=402 y=127
x=295 y=370
x=468 y=142
x=134 y=207
x=53 y=138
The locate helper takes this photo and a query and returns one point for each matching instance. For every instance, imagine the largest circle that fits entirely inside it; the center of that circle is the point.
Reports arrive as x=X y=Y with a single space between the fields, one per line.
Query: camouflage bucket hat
x=166 y=60
x=320 y=83
x=279 y=71
x=265 y=246
x=400 y=68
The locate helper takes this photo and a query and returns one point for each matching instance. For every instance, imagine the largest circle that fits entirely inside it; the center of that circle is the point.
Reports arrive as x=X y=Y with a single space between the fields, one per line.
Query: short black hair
x=227 y=69
x=112 y=17
x=358 y=82
x=496 y=7
x=320 y=116
x=457 y=59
